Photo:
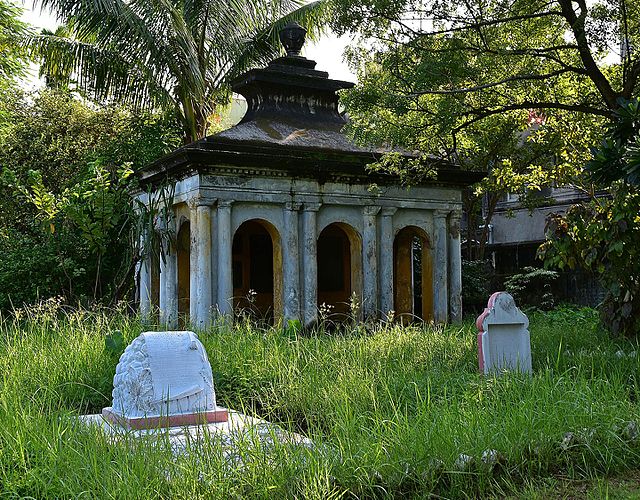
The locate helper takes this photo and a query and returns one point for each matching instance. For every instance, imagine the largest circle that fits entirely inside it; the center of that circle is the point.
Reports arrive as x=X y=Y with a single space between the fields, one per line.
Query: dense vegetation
x=602 y=234
x=67 y=224
x=390 y=409
x=522 y=90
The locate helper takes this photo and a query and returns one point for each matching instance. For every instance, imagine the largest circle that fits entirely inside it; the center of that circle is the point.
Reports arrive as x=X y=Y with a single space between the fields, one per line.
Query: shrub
x=66 y=220
x=602 y=235
x=532 y=287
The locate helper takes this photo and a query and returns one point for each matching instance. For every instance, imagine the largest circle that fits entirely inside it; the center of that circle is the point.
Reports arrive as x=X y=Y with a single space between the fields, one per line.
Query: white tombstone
x=164 y=379
x=503 y=336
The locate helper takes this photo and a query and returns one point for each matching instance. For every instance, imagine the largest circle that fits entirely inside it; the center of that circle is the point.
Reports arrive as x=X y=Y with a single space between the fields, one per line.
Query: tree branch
x=631 y=79
x=476 y=88
x=481 y=115
x=577 y=24
x=475 y=25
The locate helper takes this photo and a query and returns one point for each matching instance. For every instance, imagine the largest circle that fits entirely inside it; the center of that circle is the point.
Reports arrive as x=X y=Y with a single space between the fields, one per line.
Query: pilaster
x=386 y=259
x=193 y=259
x=370 y=262
x=455 y=268
x=168 y=279
x=225 y=265
x=291 y=262
x=144 y=283
x=201 y=245
x=440 y=267
x=310 y=262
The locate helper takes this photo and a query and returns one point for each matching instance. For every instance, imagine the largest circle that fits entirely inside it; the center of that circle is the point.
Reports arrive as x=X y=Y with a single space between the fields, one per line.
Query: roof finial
x=292 y=38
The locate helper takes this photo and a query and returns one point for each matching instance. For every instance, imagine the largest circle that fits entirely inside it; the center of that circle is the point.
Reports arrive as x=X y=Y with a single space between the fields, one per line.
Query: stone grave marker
x=164 y=379
x=503 y=336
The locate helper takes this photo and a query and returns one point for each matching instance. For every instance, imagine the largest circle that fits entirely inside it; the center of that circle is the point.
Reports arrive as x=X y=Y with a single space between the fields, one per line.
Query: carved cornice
x=239 y=158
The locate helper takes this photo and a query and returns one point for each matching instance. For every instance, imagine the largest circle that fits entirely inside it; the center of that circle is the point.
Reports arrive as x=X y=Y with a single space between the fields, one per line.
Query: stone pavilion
x=278 y=214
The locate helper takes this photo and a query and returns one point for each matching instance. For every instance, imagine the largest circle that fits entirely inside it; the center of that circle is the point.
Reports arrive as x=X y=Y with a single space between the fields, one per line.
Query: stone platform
x=238 y=427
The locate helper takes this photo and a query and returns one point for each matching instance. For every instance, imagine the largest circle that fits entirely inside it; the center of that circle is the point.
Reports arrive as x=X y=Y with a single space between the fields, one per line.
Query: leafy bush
x=533 y=287
x=35 y=264
x=603 y=234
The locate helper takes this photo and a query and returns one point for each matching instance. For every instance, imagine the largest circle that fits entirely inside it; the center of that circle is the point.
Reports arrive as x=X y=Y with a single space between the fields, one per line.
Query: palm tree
x=175 y=55
x=13 y=57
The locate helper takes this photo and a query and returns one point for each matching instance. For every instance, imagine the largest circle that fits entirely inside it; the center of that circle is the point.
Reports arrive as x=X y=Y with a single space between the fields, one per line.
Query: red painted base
x=181 y=420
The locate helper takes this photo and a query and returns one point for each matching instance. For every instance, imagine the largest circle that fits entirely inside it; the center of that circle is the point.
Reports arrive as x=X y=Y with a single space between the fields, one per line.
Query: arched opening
x=183 y=253
x=257 y=270
x=412 y=275
x=339 y=268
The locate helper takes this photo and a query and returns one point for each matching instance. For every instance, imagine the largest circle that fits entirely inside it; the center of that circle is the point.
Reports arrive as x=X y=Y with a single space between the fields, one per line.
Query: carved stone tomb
x=280 y=215
x=164 y=379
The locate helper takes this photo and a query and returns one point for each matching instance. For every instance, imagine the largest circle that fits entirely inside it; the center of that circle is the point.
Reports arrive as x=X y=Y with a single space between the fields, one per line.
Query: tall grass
x=389 y=408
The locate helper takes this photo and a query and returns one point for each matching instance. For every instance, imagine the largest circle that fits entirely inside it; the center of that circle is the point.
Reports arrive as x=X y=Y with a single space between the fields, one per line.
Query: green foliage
x=618 y=157
x=603 y=235
x=487 y=58
x=533 y=287
x=388 y=410
x=476 y=280
x=13 y=55
x=114 y=343
x=67 y=225
x=34 y=265
x=174 y=56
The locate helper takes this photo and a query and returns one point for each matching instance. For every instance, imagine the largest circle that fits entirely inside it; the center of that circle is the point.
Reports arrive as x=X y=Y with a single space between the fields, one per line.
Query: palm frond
x=102 y=72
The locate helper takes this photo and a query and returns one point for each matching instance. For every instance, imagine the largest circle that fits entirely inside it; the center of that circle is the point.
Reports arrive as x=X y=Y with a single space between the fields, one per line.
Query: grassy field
x=389 y=409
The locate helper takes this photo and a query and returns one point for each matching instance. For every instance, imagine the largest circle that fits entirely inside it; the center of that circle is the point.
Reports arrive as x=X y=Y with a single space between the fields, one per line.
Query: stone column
x=310 y=263
x=225 y=264
x=291 y=262
x=168 y=280
x=370 y=262
x=440 y=267
x=201 y=243
x=386 y=259
x=455 y=268
x=144 y=282
x=193 y=259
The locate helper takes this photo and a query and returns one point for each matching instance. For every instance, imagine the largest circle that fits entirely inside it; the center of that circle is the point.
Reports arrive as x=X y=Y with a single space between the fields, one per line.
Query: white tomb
x=503 y=336
x=164 y=379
